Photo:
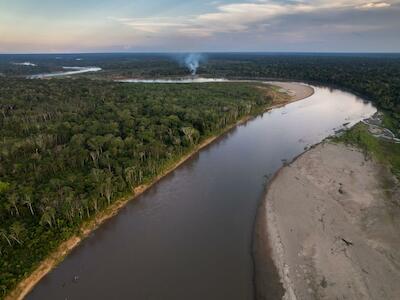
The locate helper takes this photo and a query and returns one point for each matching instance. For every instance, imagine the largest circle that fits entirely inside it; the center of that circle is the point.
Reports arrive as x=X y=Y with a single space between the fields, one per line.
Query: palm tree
x=130 y=176
x=28 y=201
x=13 y=200
x=4 y=235
x=107 y=189
x=95 y=203
x=16 y=231
x=48 y=216
x=9 y=208
x=86 y=204
x=98 y=175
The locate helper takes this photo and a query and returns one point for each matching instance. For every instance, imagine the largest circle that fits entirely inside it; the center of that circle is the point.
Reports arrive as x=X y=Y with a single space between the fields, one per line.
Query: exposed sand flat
x=332 y=219
x=297 y=91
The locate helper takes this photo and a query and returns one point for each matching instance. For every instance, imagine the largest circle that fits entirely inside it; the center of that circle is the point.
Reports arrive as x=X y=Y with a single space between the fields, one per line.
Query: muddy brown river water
x=190 y=235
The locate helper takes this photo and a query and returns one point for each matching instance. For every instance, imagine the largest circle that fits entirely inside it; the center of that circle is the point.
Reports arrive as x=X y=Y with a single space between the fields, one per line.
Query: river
x=68 y=72
x=190 y=235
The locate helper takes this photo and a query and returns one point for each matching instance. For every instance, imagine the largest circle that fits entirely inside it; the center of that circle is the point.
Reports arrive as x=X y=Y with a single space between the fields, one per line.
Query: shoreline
x=265 y=267
x=54 y=258
x=330 y=226
x=298 y=91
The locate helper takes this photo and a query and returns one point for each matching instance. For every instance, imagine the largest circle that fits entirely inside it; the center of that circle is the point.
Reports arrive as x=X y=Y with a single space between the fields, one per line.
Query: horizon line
x=200 y=52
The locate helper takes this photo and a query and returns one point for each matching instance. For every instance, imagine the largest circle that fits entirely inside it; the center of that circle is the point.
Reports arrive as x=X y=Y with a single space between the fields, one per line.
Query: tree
x=108 y=188
x=13 y=201
x=16 y=232
x=191 y=134
x=48 y=216
x=4 y=186
x=4 y=235
x=28 y=201
x=130 y=176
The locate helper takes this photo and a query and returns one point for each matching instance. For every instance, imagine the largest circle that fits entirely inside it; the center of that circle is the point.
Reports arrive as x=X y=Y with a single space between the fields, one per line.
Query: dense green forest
x=373 y=76
x=69 y=148
x=124 y=65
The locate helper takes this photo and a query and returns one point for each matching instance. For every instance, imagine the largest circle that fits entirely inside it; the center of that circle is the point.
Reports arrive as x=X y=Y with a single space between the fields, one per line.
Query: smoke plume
x=192 y=62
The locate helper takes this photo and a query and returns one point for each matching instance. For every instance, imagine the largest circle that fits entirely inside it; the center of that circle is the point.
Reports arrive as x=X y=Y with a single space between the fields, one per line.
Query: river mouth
x=190 y=235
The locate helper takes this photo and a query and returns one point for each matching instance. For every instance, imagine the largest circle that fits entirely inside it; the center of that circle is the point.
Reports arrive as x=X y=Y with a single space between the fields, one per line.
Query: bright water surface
x=190 y=236
x=68 y=71
x=173 y=81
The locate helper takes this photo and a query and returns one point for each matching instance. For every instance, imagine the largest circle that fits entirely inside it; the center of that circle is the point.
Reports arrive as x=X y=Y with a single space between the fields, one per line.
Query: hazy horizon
x=202 y=52
x=165 y=26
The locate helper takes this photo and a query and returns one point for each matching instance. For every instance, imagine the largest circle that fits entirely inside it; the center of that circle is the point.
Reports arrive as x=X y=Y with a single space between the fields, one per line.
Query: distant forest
x=376 y=77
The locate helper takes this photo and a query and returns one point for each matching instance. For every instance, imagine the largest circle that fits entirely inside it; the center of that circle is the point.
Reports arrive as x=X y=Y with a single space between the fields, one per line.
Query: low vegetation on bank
x=70 y=148
x=383 y=151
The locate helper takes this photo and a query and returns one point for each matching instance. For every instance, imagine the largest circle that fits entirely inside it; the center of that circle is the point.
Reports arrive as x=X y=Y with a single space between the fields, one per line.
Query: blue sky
x=199 y=25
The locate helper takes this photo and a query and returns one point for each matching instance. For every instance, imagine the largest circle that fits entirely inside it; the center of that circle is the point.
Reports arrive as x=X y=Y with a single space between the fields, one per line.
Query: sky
x=54 y=26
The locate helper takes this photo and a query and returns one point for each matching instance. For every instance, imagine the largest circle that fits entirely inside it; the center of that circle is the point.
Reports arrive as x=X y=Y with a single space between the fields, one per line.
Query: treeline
x=69 y=148
x=375 y=76
x=120 y=64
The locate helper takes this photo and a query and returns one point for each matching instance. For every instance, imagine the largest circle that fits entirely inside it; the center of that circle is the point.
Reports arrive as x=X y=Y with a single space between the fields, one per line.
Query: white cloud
x=372 y=5
x=241 y=17
x=152 y=25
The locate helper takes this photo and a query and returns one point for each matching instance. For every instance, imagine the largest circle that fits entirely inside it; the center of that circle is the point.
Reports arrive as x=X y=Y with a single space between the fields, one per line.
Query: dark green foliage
x=127 y=65
x=69 y=148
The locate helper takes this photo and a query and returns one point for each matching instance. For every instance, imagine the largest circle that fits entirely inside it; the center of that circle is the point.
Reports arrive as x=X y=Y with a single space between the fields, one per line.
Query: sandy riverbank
x=331 y=219
x=57 y=256
x=297 y=91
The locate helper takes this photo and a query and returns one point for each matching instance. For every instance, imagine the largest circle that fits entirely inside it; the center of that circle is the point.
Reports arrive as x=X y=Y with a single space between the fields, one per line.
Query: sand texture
x=333 y=224
x=297 y=91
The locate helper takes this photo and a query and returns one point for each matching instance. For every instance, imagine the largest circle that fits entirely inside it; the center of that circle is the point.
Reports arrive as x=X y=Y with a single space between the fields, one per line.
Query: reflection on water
x=181 y=80
x=189 y=237
x=69 y=71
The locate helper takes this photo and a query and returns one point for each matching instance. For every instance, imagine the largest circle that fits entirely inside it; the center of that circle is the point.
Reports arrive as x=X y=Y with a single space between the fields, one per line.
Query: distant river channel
x=68 y=71
x=190 y=235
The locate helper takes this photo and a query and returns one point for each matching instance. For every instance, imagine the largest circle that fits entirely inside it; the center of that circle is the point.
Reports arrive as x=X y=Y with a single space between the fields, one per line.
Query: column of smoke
x=192 y=62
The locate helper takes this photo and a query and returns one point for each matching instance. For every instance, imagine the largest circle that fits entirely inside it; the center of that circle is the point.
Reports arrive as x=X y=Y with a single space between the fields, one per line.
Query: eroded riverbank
x=331 y=219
